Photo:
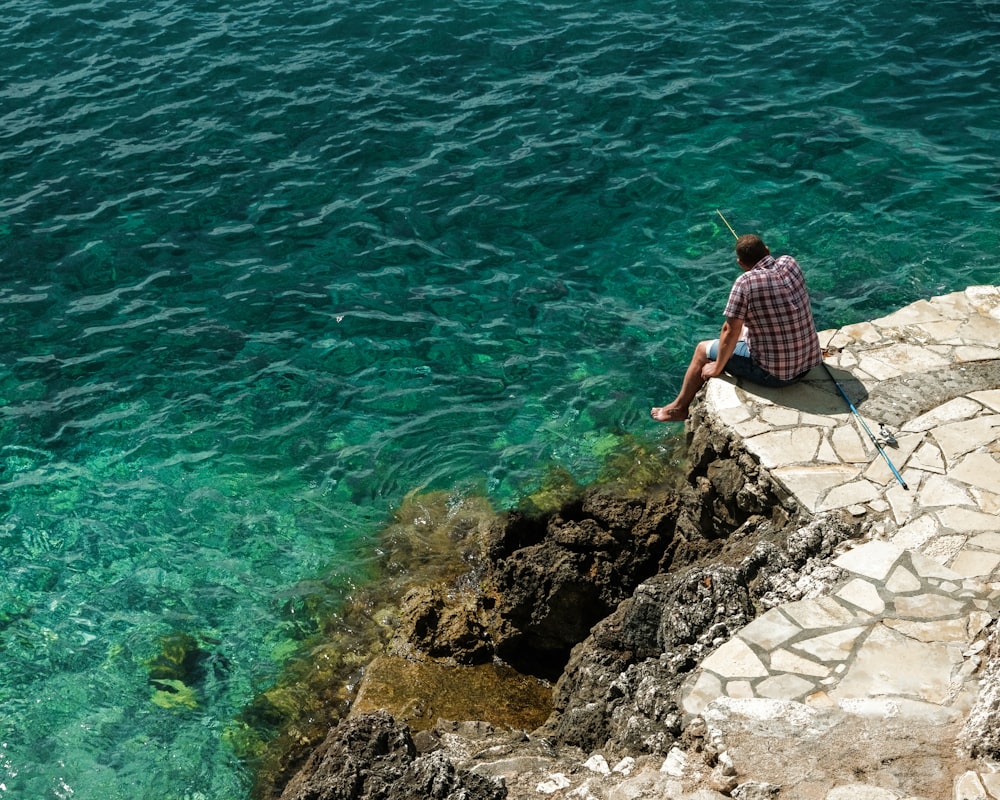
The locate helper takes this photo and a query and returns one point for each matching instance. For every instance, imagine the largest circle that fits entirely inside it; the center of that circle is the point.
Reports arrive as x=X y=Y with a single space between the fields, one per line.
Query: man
x=768 y=337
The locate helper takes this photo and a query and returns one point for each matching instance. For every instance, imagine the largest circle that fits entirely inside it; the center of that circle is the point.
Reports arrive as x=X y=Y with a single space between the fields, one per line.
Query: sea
x=271 y=267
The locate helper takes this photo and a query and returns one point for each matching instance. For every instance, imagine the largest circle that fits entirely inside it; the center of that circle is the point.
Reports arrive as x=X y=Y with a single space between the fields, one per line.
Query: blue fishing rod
x=864 y=424
x=843 y=394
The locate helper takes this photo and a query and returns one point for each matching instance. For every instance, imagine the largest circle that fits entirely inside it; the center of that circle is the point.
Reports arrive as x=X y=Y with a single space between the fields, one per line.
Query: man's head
x=750 y=249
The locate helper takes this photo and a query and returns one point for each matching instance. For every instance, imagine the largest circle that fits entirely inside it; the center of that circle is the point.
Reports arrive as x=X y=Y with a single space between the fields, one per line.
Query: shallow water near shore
x=267 y=270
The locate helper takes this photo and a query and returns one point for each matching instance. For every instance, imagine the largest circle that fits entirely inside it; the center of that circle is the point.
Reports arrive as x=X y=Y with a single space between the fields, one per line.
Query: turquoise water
x=269 y=267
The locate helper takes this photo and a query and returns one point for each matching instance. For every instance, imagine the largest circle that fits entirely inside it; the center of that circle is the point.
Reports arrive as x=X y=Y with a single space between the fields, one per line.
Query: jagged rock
x=981 y=733
x=755 y=790
x=544 y=582
x=445 y=624
x=620 y=684
x=591 y=556
x=372 y=757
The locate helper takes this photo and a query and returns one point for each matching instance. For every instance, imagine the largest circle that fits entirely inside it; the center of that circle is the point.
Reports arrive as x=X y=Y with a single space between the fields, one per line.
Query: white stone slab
x=780 y=448
x=975 y=563
x=809 y=484
x=831 y=647
x=739 y=689
x=901 y=501
x=959 y=438
x=900 y=359
x=978 y=469
x=991 y=780
x=770 y=630
x=940 y=492
x=988 y=502
x=961 y=408
x=785 y=661
x=751 y=427
x=965 y=354
x=865 y=332
x=862 y=594
x=780 y=416
x=944 y=331
x=968 y=786
x=987 y=541
x=989 y=398
x=732 y=417
x=918 y=313
x=822 y=612
x=785 y=687
x=984 y=298
x=735 y=660
x=722 y=393
x=856 y=492
x=705 y=689
x=940 y=630
x=928 y=607
x=928 y=568
x=981 y=330
x=849 y=445
x=888 y=663
x=818 y=420
x=826 y=454
x=902 y=580
x=929 y=458
x=872 y=559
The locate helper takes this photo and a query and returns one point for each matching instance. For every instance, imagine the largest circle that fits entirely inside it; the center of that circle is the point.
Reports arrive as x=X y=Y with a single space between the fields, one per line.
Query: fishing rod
x=727 y=223
x=864 y=424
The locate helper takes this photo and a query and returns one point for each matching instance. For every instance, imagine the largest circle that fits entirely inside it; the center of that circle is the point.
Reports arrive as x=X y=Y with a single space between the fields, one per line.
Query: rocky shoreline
x=617 y=598
x=605 y=609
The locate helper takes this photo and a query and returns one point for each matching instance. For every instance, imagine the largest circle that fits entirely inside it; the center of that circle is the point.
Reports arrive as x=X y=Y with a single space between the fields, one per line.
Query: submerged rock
x=419 y=693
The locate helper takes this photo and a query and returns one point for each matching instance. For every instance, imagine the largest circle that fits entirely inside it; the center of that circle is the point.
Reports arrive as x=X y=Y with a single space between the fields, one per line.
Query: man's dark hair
x=750 y=249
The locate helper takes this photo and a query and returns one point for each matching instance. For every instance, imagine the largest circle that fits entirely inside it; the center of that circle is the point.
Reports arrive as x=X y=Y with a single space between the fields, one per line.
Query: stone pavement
x=899 y=637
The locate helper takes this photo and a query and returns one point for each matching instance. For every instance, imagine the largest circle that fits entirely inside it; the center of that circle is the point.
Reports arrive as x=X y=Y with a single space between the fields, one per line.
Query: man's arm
x=728 y=337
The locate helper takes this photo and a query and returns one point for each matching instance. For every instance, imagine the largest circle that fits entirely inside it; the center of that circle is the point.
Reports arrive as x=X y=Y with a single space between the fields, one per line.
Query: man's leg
x=678 y=410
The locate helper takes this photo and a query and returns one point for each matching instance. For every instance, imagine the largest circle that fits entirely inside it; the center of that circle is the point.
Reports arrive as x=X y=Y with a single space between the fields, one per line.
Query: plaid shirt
x=773 y=303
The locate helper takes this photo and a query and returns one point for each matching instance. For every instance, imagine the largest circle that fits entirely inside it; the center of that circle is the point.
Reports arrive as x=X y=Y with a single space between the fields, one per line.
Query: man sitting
x=768 y=337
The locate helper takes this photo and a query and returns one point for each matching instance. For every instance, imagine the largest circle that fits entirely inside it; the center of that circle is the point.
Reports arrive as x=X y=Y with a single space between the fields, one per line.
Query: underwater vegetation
x=432 y=538
x=177 y=669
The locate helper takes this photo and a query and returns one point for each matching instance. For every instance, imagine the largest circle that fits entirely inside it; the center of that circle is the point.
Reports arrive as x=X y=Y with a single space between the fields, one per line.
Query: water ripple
x=268 y=270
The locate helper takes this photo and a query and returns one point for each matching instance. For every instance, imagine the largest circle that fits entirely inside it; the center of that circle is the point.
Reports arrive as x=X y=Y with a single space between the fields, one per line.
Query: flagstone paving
x=898 y=636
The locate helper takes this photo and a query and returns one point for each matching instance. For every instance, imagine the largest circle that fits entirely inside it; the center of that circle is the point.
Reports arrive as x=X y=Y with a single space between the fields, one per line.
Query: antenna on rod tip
x=727 y=224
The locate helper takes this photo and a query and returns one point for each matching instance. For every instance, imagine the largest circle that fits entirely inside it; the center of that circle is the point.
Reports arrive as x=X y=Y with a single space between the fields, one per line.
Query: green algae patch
x=175 y=669
x=434 y=536
x=421 y=692
x=173 y=694
x=630 y=465
x=635 y=466
x=558 y=487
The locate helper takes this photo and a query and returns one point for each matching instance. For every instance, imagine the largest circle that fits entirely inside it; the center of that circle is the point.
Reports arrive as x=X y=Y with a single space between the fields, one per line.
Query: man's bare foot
x=668 y=414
